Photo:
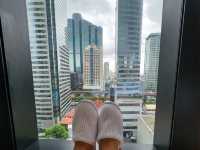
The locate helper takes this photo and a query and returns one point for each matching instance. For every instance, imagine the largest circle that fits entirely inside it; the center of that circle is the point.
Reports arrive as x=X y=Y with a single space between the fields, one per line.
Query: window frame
x=171 y=54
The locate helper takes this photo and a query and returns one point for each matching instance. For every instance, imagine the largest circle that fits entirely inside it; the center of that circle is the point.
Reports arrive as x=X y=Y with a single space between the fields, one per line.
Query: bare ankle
x=109 y=144
x=83 y=146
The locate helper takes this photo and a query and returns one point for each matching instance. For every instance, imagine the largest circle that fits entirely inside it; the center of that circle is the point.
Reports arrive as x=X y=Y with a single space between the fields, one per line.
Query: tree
x=150 y=101
x=79 y=98
x=102 y=98
x=57 y=131
x=87 y=94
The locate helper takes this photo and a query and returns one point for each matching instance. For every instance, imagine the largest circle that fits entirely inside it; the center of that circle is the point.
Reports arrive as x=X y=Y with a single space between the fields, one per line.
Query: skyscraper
x=106 y=71
x=128 y=39
x=106 y=82
x=79 y=34
x=92 y=68
x=64 y=81
x=43 y=31
x=128 y=30
x=131 y=109
x=152 y=51
x=75 y=81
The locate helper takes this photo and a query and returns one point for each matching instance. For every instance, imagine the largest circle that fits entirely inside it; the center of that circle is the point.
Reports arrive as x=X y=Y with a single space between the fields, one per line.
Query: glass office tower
x=128 y=44
x=79 y=34
x=128 y=39
x=152 y=51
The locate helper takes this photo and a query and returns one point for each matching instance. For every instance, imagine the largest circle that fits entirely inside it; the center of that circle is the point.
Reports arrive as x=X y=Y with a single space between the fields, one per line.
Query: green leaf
x=57 y=131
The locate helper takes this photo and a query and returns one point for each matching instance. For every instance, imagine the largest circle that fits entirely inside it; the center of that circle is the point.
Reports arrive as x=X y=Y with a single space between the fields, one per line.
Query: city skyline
x=102 y=13
x=83 y=50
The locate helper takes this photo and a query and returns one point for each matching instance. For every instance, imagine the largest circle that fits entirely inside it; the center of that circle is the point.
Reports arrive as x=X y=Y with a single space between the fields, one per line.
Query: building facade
x=81 y=33
x=106 y=72
x=113 y=94
x=64 y=81
x=131 y=109
x=128 y=39
x=75 y=81
x=93 y=68
x=43 y=46
x=106 y=79
x=152 y=52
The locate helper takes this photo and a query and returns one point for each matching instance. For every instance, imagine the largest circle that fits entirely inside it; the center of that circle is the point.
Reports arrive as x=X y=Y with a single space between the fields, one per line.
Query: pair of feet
x=103 y=126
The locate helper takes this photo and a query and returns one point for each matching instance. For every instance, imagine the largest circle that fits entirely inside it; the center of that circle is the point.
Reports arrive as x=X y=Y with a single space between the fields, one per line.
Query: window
x=78 y=55
x=36 y=3
x=178 y=76
x=92 y=59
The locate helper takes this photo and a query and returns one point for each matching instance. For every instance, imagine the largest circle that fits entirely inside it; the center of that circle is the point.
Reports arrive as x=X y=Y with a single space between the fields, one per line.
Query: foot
x=110 y=125
x=109 y=144
x=84 y=126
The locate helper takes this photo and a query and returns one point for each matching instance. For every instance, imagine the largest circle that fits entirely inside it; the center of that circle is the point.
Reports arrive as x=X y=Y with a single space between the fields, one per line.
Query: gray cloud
x=92 y=7
x=108 y=52
x=152 y=18
x=154 y=10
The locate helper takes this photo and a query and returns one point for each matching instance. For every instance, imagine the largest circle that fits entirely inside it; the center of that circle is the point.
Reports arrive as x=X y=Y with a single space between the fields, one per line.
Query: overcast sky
x=102 y=13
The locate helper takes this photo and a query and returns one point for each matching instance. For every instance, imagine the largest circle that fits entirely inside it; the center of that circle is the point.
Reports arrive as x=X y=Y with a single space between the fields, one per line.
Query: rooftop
x=67 y=120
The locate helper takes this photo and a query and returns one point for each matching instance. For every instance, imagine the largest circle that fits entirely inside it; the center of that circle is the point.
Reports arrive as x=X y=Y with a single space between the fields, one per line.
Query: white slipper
x=84 y=126
x=110 y=123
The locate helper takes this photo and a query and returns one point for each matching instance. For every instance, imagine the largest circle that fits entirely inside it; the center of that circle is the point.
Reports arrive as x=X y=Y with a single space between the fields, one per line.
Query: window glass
x=100 y=50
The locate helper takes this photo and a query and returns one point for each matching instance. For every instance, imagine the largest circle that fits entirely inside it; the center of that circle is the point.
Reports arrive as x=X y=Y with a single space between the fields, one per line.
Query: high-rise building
x=131 y=109
x=92 y=68
x=64 y=81
x=152 y=51
x=45 y=39
x=106 y=72
x=79 y=34
x=75 y=81
x=113 y=95
x=106 y=79
x=128 y=39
